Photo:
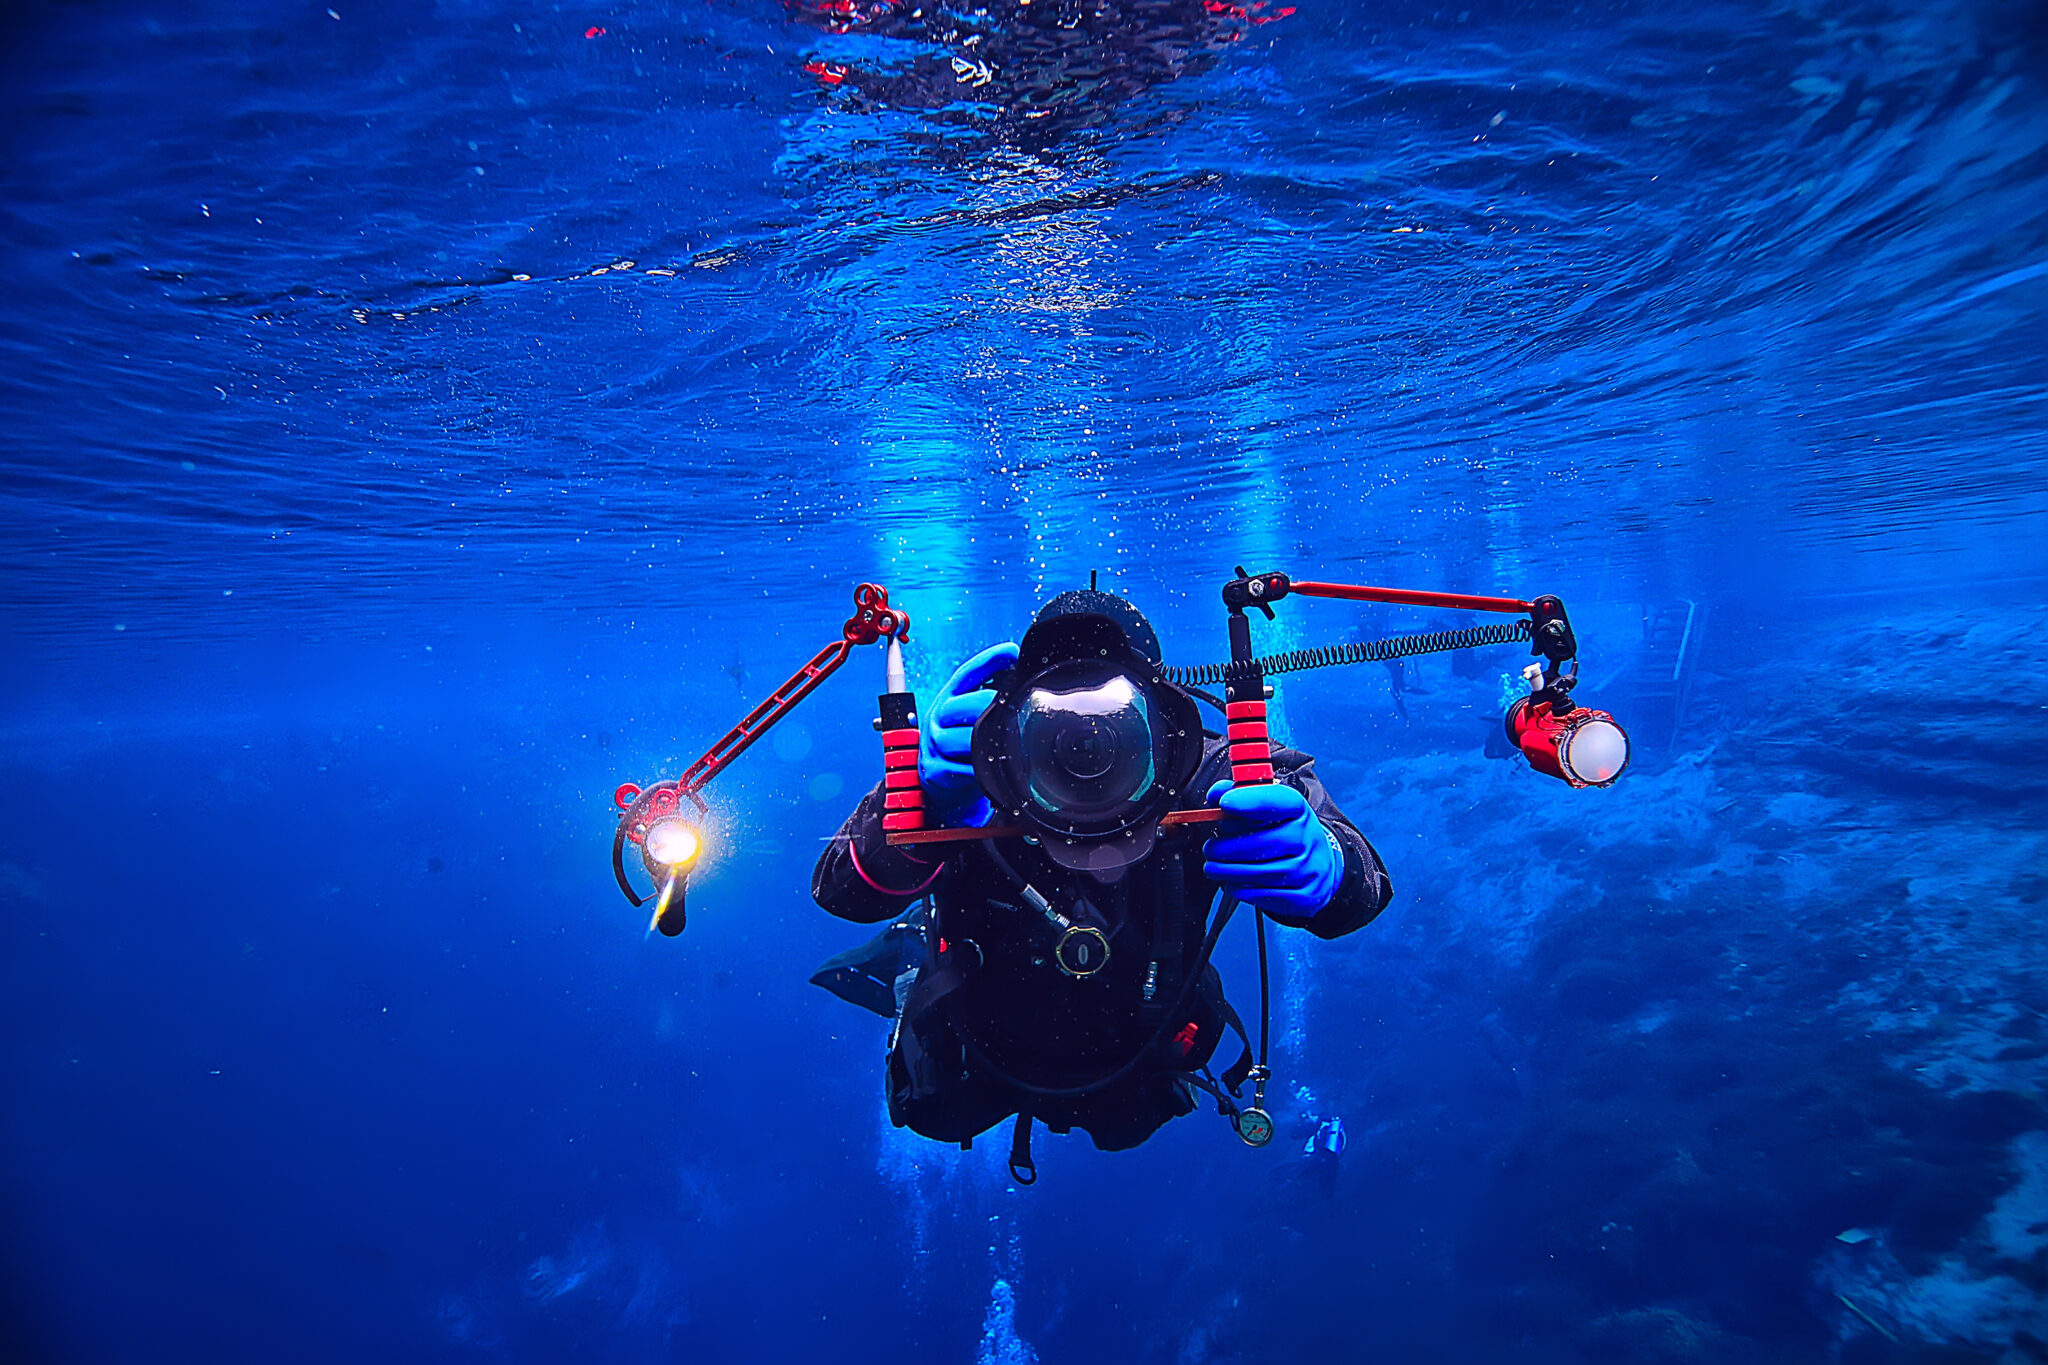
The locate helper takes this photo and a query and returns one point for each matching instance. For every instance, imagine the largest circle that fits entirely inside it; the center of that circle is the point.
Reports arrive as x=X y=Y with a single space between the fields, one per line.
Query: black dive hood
x=1086 y=744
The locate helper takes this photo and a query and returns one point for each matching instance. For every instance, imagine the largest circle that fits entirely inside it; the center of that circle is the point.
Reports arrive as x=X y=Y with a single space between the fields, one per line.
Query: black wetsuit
x=993 y=1026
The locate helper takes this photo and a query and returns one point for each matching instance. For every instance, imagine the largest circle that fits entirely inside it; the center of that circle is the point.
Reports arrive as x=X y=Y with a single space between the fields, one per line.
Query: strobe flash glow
x=671 y=845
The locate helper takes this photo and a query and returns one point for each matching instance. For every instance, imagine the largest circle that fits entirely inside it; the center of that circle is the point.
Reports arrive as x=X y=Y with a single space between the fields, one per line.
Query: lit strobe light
x=671 y=846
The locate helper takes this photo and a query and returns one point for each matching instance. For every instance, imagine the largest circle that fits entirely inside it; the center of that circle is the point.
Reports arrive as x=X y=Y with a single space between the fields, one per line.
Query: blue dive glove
x=1272 y=850
x=945 y=752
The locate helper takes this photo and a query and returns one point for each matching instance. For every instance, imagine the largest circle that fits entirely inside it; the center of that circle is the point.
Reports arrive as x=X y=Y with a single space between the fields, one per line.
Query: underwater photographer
x=1058 y=968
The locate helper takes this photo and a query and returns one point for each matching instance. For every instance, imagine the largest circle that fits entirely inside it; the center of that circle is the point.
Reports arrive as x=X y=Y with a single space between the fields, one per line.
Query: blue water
x=421 y=418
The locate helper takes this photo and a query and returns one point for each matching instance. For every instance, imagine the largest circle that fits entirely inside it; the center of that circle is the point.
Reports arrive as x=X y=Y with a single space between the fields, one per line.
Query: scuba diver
x=1058 y=969
x=1323 y=1151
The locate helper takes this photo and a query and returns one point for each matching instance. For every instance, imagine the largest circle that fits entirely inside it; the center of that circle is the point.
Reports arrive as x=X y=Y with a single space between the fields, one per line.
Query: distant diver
x=1397 y=682
x=1324 y=1150
x=1063 y=975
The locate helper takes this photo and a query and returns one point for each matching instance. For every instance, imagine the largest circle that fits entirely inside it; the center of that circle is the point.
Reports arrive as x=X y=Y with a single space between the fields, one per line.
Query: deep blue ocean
x=417 y=419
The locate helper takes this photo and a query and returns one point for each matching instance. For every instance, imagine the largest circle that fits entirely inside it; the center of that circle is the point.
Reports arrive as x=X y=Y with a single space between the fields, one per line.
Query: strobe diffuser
x=1573 y=743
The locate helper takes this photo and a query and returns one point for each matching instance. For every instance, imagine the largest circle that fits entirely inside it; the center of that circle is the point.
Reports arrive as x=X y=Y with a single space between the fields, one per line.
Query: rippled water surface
x=353 y=314
x=417 y=418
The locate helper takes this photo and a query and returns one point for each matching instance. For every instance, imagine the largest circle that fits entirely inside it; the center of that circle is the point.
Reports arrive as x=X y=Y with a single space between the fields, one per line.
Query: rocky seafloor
x=1743 y=1059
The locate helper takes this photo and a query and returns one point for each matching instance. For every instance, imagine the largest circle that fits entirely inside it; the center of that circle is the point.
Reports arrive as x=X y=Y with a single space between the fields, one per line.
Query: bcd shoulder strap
x=1169 y=916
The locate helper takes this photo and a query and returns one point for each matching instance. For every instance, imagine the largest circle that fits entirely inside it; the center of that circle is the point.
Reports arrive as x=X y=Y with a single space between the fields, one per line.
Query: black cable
x=1362 y=652
x=619 y=866
x=1265 y=992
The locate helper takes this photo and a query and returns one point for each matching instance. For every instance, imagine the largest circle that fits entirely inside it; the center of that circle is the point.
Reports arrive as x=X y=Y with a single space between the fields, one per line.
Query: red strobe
x=1584 y=747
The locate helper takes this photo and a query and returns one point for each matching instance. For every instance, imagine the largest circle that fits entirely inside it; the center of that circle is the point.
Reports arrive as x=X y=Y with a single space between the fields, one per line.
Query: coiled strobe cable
x=1361 y=652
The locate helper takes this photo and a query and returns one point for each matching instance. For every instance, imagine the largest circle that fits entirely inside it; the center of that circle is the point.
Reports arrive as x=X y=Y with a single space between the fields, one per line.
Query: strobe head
x=1573 y=743
x=669 y=841
x=670 y=845
x=1086 y=743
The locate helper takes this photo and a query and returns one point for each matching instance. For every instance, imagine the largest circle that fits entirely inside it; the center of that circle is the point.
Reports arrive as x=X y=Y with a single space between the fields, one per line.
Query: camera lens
x=1085 y=749
x=1085 y=732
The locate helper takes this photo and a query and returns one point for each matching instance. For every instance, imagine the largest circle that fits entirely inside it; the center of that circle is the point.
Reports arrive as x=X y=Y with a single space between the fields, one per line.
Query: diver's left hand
x=945 y=753
x=1272 y=850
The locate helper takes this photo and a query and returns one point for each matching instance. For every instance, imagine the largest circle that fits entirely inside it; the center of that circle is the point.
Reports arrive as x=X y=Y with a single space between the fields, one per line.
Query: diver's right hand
x=945 y=752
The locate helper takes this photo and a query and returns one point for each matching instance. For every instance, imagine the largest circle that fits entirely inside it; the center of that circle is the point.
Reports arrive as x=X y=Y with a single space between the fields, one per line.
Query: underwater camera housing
x=1086 y=744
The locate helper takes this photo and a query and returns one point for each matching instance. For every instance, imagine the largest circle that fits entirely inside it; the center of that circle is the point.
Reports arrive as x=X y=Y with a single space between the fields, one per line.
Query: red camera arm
x=1409 y=597
x=1259 y=591
x=872 y=619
